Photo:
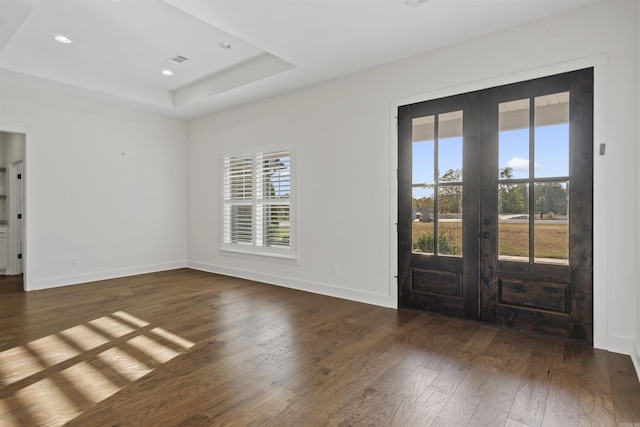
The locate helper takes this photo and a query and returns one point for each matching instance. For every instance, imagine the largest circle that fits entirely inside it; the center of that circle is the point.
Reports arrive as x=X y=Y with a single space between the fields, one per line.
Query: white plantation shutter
x=238 y=205
x=257 y=202
x=273 y=184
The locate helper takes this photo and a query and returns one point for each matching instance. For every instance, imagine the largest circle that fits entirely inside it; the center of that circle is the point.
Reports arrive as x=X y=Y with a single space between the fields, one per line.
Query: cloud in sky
x=519 y=164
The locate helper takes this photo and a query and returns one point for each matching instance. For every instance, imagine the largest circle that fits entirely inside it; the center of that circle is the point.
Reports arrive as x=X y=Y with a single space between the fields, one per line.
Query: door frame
x=599 y=63
x=16 y=233
x=28 y=241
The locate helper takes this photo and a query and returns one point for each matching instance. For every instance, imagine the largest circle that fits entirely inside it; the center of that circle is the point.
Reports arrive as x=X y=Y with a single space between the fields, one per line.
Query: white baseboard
x=625 y=345
x=619 y=344
x=302 y=285
x=56 y=282
x=635 y=358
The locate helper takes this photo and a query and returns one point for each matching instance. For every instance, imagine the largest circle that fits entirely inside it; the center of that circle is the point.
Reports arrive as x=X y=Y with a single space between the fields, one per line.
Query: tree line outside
x=550 y=197
x=513 y=198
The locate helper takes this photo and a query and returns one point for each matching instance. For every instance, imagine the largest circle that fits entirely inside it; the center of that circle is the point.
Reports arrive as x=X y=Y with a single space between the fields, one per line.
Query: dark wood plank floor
x=187 y=348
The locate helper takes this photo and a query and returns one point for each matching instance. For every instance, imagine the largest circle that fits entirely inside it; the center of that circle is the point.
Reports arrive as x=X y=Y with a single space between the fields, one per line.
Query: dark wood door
x=438 y=206
x=495 y=205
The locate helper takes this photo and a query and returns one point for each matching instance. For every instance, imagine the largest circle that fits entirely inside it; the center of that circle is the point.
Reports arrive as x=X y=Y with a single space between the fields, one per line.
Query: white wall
x=13 y=145
x=105 y=184
x=344 y=133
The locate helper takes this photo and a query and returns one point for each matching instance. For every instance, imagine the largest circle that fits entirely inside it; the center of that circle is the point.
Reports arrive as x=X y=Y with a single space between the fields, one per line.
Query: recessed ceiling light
x=225 y=45
x=62 y=39
x=167 y=72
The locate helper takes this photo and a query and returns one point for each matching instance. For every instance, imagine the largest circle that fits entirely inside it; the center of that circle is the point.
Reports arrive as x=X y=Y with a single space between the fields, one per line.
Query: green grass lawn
x=551 y=240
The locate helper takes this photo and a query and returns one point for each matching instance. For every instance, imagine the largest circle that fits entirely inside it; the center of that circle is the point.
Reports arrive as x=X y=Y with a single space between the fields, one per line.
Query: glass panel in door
x=437 y=158
x=432 y=157
x=513 y=180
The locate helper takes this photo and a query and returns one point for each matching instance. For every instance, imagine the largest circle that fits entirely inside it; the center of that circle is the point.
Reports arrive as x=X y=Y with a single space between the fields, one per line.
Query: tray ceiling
x=236 y=51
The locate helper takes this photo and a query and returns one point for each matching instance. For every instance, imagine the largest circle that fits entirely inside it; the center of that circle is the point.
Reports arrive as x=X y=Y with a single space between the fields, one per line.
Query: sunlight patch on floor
x=44 y=402
x=5 y=415
x=124 y=364
x=52 y=350
x=115 y=328
x=131 y=319
x=85 y=337
x=94 y=384
x=53 y=379
x=16 y=364
x=158 y=352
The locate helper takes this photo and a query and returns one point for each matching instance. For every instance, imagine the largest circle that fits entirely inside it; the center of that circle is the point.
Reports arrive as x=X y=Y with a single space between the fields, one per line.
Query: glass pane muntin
x=545 y=139
x=436 y=182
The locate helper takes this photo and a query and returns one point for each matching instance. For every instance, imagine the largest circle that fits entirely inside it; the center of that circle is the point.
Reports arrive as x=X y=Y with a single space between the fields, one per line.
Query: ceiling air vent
x=414 y=3
x=177 y=59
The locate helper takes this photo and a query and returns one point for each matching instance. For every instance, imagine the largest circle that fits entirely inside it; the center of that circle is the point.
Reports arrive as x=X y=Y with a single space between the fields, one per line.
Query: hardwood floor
x=187 y=348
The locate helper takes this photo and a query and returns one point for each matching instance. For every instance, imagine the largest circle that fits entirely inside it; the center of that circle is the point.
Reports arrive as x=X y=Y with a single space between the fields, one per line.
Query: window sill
x=260 y=256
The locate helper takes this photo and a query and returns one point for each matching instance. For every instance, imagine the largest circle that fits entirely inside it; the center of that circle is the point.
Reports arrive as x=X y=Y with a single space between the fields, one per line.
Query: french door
x=495 y=205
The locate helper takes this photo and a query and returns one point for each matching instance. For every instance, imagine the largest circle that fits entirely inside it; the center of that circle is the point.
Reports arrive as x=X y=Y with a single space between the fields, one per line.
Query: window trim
x=253 y=249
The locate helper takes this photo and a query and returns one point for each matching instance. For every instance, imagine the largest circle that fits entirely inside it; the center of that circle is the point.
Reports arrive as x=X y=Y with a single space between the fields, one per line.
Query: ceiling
x=120 y=47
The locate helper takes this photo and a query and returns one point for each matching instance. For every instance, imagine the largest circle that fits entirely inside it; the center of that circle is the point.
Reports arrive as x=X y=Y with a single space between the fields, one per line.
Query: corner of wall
x=635 y=358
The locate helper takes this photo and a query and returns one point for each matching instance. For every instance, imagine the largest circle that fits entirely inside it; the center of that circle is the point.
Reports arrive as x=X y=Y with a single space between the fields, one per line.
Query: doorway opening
x=495 y=205
x=12 y=207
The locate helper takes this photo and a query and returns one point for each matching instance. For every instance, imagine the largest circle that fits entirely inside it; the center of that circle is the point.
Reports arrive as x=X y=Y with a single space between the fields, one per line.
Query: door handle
x=484 y=235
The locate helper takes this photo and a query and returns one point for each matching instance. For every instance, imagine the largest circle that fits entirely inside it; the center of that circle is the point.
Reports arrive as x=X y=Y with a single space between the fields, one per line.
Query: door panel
x=548 y=287
x=507 y=238
x=433 y=239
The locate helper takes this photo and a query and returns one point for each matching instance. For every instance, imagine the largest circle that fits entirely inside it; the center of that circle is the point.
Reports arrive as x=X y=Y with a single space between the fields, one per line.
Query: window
x=533 y=197
x=258 y=202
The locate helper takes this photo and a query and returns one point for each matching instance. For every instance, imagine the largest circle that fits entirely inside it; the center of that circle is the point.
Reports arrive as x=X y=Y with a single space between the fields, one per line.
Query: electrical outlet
x=334 y=270
x=74 y=262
